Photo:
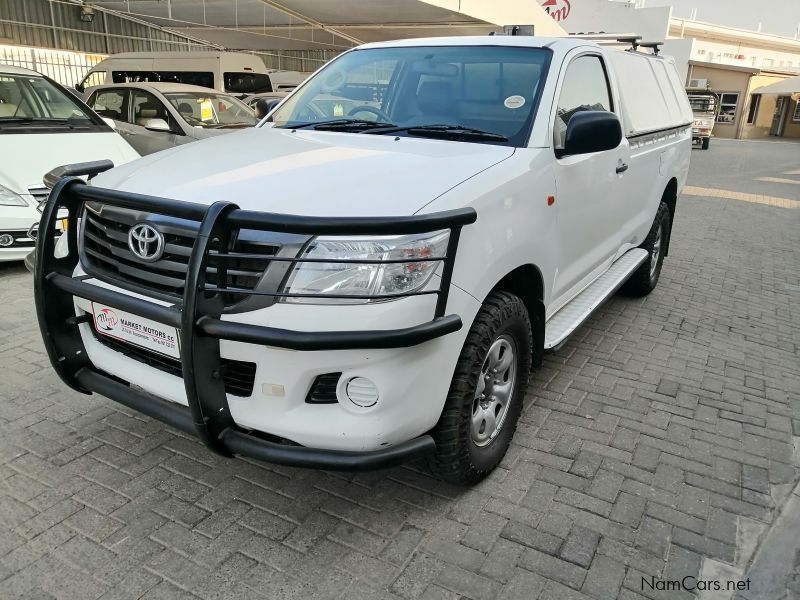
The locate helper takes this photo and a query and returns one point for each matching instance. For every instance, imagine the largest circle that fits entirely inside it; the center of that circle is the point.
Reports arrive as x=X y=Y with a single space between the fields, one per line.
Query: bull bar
x=197 y=317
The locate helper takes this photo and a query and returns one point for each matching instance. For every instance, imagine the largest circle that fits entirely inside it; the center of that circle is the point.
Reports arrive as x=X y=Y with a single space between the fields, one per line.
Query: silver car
x=156 y=116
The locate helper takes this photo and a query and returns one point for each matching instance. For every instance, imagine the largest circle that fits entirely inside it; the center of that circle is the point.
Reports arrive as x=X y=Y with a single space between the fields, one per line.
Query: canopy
x=785 y=87
x=331 y=24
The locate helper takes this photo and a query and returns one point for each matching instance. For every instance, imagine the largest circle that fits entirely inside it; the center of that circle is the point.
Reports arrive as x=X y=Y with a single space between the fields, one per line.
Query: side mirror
x=80 y=87
x=591 y=131
x=157 y=125
x=110 y=123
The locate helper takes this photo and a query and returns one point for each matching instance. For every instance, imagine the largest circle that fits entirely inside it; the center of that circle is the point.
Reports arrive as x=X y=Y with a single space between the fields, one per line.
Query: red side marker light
x=551 y=200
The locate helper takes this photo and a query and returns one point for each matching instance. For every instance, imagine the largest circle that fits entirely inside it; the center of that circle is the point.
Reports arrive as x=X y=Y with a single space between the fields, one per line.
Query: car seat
x=149 y=110
x=436 y=104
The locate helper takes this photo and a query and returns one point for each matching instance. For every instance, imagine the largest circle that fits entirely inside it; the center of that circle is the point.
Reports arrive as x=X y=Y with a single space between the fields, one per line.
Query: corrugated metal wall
x=57 y=24
x=297 y=60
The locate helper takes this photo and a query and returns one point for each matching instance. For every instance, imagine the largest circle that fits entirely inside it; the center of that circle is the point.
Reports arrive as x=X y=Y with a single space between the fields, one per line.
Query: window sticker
x=514 y=102
x=206 y=110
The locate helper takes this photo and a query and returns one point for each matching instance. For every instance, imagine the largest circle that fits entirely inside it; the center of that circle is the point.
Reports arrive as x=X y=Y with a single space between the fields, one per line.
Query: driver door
x=590 y=199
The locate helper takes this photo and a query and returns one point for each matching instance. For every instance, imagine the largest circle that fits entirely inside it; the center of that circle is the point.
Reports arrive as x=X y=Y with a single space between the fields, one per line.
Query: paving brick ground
x=657 y=443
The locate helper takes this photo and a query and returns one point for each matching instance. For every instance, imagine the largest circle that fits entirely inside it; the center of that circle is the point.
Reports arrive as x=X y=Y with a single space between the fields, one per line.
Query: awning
x=331 y=24
x=786 y=87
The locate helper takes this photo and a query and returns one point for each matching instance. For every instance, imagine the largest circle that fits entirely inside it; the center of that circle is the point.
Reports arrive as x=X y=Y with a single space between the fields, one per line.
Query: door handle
x=622 y=167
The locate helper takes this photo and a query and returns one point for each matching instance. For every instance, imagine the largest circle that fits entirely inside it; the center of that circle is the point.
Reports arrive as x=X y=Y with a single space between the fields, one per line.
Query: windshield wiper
x=33 y=120
x=437 y=130
x=340 y=124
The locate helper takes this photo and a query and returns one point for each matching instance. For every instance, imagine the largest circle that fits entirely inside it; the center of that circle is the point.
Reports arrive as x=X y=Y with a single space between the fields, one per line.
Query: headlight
x=365 y=279
x=9 y=198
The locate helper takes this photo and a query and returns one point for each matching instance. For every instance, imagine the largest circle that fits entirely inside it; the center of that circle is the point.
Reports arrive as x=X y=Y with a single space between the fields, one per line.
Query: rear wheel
x=705 y=143
x=645 y=278
x=485 y=398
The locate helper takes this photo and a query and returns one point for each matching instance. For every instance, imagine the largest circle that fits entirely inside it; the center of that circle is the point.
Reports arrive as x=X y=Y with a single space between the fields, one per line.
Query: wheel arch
x=526 y=281
x=670 y=198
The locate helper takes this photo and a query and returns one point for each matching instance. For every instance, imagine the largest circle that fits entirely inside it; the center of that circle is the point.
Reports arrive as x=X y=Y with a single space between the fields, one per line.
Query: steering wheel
x=370 y=109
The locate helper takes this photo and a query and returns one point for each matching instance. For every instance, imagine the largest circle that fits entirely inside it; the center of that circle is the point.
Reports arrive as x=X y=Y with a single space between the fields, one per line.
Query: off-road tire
x=645 y=278
x=458 y=459
x=705 y=142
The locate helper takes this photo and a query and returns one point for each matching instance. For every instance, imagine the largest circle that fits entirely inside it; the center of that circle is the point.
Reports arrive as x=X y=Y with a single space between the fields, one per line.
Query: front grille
x=238 y=376
x=323 y=390
x=105 y=252
x=20 y=239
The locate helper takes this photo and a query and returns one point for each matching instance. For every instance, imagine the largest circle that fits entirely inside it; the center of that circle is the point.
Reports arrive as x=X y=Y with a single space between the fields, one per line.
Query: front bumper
x=207 y=412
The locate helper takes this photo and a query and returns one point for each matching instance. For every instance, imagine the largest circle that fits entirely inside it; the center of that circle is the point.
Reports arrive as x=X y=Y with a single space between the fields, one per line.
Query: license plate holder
x=136 y=331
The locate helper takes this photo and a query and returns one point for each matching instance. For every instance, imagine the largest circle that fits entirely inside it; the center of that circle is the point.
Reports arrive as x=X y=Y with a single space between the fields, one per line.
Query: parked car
x=42 y=126
x=156 y=116
x=704 y=105
x=231 y=72
x=354 y=291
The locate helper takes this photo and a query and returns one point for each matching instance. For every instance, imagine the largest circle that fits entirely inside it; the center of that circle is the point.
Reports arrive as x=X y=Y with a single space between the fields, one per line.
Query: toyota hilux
x=370 y=275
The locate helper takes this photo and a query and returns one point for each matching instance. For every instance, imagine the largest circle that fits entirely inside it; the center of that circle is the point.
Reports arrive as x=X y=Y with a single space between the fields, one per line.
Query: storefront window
x=727 y=104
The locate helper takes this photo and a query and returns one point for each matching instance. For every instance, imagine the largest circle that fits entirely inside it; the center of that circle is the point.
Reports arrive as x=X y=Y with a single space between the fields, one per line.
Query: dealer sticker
x=514 y=102
x=136 y=330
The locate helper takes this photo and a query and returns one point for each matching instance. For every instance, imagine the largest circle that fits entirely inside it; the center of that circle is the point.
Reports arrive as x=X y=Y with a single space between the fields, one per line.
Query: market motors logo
x=558 y=9
x=106 y=319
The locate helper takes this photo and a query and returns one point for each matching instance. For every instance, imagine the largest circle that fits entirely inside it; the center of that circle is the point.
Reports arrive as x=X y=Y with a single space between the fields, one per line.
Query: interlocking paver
x=646 y=441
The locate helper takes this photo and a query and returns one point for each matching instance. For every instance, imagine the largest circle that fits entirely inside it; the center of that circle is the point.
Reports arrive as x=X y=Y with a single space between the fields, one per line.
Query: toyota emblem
x=146 y=242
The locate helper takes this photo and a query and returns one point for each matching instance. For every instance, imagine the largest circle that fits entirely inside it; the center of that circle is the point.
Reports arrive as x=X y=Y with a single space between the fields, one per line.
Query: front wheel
x=486 y=394
x=705 y=143
x=645 y=278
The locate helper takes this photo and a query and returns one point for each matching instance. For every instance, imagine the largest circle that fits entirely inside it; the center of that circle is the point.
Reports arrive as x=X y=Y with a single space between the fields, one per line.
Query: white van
x=232 y=72
x=42 y=126
x=371 y=273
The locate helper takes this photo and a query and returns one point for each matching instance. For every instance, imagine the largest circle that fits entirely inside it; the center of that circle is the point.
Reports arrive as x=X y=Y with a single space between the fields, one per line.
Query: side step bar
x=570 y=316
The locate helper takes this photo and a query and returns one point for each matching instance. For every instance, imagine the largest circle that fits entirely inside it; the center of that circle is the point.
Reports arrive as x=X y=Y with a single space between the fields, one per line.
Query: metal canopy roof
x=787 y=86
x=330 y=24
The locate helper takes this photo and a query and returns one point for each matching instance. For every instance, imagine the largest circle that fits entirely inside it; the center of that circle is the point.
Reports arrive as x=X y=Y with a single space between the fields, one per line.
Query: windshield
x=466 y=91
x=213 y=111
x=30 y=102
x=705 y=103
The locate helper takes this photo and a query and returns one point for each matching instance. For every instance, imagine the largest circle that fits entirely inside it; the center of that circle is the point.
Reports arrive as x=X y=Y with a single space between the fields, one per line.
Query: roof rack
x=654 y=46
x=633 y=40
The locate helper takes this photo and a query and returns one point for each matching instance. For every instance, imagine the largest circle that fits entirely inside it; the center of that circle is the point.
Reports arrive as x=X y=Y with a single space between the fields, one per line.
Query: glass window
x=200 y=78
x=145 y=107
x=727 y=108
x=110 y=104
x=796 y=113
x=755 y=102
x=93 y=79
x=585 y=87
x=493 y=89
x=213 y=111
x=247 y=83
x=34 y=102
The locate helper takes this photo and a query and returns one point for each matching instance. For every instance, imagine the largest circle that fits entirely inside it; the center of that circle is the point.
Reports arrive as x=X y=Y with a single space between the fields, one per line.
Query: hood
x=28 y=156
x=308 y=172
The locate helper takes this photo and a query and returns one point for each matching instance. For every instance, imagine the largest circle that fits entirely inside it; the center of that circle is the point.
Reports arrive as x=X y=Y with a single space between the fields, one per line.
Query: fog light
x=362 y=392
x=6 y=240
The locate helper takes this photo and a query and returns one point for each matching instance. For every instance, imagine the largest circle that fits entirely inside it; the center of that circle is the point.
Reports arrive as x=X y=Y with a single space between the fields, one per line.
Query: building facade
x=734 y=63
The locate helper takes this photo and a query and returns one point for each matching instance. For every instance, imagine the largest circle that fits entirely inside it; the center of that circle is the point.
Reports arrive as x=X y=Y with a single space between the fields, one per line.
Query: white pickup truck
x=370 y=275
